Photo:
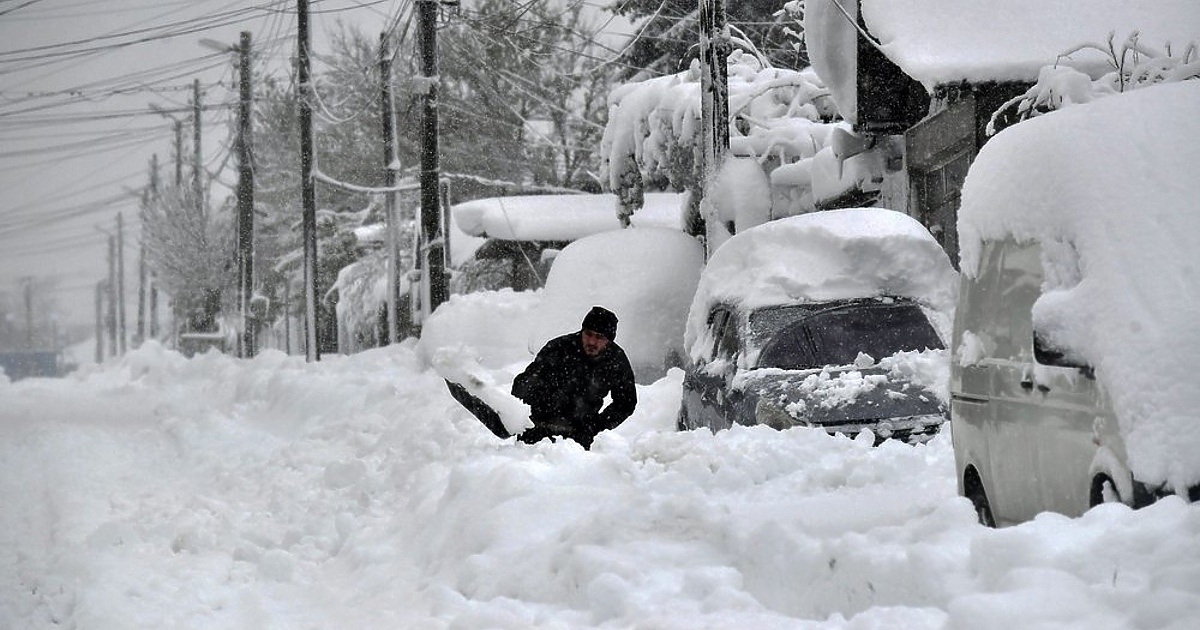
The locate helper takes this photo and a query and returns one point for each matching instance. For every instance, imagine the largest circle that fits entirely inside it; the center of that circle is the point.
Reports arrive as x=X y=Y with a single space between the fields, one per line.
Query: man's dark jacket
x=565 y=390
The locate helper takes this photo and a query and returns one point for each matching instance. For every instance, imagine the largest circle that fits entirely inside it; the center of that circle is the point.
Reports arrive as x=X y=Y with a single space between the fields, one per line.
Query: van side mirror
x=1046 y=354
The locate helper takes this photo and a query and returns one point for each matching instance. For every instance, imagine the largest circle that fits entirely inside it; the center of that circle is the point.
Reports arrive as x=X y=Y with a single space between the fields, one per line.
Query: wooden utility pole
x=714 y=90
x=100 y=322
x=28 y=280
x=178 y=153
x=197 y=159
x=390 y=166
x=121 y=330
x=111 y=316
x=308 y=192
x=245 y=201
x=434 y=246
x=140 y=334
x=153 y=306
x=714 y=82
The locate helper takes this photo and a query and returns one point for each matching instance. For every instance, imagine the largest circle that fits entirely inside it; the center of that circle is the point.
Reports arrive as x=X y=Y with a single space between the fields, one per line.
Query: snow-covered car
x=1075 y=339
x=646 y=275
x=832 y=319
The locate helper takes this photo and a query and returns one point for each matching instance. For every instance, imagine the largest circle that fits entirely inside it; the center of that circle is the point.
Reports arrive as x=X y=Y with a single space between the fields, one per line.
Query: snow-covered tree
x=522 y=93
x=1134 y=66
x=667 y=32
x=778 y=118
x=191 y=250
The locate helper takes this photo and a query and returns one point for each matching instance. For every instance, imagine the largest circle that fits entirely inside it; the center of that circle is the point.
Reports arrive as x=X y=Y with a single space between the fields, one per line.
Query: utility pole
x=390 y=166
x=145 y=281
x=140 y=334
x=100 y=322
x=28 y=280
x=245 y=201
x=178 y=153
x=714 y=96
x=111 y=316
x=308 y=192
x=427 y=12
x=197 y=161
x=714 y=82
x=154 y=195
x=120 y=284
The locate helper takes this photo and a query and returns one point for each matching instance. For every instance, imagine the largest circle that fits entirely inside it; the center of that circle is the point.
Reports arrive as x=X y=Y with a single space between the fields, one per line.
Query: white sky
x=38 y=180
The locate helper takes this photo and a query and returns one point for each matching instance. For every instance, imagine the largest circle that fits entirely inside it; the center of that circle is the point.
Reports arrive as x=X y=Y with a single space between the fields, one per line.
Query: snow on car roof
x=560 y=217
x=828 y=255
x=1115 y=180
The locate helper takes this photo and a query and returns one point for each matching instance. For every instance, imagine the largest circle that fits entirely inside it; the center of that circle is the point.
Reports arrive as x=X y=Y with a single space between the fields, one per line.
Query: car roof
x=823 y=256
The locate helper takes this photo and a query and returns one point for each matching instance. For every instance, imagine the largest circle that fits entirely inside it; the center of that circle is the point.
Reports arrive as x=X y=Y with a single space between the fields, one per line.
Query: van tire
x=1098 y=494
x=973 y=490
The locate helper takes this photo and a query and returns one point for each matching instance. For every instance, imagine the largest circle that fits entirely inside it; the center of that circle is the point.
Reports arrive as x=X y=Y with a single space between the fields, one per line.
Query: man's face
x=594 y=343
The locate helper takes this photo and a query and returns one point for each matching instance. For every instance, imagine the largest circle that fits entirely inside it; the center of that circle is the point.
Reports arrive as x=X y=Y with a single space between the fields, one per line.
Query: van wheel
x=1104 y=491
x=973 y=489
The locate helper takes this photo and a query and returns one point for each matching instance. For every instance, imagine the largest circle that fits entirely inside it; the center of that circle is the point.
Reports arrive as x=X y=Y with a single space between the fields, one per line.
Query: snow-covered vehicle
x=519 y=236
x=832 y=319
x=647 y=276
x=1075 y=339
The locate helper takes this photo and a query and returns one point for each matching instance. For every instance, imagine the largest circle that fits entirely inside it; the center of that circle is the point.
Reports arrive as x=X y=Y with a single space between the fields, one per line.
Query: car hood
x=839 y=395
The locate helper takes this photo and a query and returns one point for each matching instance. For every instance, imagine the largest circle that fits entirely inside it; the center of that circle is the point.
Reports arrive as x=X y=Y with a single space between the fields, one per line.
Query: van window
x=1020 y=285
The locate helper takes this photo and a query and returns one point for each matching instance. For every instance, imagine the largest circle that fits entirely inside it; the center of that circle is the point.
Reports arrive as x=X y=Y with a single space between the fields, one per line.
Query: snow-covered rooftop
x=560 y=217
x=950 y=41
x=947 y=41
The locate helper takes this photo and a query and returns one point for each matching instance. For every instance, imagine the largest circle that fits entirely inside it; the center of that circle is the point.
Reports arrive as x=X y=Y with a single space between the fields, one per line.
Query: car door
x=1068 y=396
x=992 y=413
x=1016 y=414
x=708 y=380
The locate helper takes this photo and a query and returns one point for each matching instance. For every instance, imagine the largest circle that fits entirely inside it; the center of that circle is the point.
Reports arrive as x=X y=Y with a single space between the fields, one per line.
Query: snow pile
x=495 y=325
x=1110 y=186
x=161 y=492
x=646 y=276
x=836 y=254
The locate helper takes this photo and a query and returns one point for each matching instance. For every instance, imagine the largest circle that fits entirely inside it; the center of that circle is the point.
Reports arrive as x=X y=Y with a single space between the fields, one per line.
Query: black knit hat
x=601 y=320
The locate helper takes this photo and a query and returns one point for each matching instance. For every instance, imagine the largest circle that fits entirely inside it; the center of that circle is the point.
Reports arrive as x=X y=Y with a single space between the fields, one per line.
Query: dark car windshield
x=836 y=336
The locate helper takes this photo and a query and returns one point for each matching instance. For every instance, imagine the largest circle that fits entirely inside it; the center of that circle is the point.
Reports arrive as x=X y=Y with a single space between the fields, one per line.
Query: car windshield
x=837 y=335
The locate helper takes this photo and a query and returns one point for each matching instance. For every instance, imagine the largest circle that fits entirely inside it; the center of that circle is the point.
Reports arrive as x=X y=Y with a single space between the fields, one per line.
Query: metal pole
x=390 y=166
x=245 y=202
x=308 y=192
x=430 y=210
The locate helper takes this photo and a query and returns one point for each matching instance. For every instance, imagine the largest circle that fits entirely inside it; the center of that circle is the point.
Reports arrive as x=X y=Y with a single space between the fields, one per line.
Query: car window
x=727 y=342
x=837 y=336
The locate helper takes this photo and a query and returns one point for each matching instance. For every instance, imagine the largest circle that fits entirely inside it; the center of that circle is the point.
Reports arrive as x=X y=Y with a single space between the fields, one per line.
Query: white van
x=1078 y=323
